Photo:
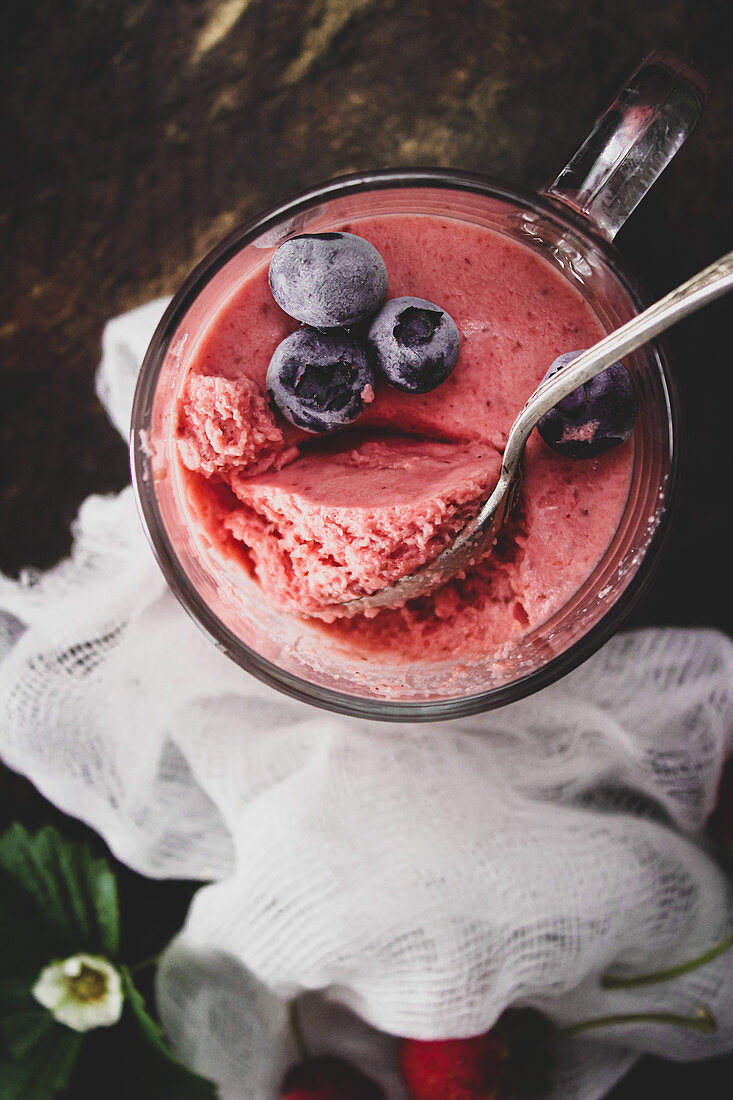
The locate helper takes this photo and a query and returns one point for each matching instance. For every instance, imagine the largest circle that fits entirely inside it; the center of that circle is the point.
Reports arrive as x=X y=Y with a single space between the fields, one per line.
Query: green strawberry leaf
x=58 y=899
x=37 y=1054
x=166 y=1076
x=23 y=1021
x=48 y=1072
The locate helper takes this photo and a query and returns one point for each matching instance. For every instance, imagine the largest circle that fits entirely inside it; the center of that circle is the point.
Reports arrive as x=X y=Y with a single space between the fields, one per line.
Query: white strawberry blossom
x=83 y=992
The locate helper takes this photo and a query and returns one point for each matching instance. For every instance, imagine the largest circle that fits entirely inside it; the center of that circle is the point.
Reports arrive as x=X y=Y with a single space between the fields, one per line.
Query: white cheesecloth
x=422 y=877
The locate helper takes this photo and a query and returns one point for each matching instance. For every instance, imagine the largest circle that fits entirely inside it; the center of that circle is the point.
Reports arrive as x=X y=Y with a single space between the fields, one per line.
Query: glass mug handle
x=633 y=141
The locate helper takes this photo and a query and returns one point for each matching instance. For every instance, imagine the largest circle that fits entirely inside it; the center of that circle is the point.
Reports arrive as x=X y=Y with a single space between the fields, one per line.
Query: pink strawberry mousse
x=317 y=520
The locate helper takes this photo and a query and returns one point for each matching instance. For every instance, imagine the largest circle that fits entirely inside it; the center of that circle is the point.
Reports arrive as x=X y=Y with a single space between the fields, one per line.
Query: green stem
x=703 y=1021
x=145 y=964
x=296 y=1028
x=609 y=982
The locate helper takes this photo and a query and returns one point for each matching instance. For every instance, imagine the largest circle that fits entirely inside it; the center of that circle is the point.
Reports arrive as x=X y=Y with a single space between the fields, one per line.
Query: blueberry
x=320 y=381
x=414 y=344
x=328 y=279
x=596 y=416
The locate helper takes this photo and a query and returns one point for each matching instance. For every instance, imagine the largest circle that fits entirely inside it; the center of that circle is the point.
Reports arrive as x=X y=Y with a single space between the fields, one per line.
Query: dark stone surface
x=137 y=132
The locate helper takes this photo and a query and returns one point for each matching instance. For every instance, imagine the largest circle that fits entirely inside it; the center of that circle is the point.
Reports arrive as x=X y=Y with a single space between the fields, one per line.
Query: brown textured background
x=135 y=133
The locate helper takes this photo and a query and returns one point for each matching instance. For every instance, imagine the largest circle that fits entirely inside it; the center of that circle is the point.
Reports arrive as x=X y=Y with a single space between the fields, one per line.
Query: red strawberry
x=456 y=1069
x=328 y=1078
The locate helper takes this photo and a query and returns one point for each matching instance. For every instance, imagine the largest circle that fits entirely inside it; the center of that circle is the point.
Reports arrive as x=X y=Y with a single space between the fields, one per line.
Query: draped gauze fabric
x=411 y=879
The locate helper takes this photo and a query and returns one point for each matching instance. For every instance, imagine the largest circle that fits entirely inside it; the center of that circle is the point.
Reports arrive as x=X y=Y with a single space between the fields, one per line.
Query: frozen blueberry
x=328 y=280
x=414 y=344
x=320 y=381
x=597 y=415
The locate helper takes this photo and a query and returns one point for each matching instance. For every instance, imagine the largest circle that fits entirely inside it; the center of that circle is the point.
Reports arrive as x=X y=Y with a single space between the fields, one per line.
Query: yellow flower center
x=88 y=986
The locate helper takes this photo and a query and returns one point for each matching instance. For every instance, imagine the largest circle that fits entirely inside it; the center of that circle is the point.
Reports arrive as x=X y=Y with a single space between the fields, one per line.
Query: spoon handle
x=685 y=299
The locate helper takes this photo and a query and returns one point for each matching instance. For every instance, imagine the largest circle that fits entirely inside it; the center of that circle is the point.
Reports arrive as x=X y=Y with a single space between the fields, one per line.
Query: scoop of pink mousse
x=339 y=524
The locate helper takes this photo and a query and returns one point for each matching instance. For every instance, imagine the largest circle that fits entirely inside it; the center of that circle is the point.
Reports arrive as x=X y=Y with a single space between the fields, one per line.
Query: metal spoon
x=473 y=541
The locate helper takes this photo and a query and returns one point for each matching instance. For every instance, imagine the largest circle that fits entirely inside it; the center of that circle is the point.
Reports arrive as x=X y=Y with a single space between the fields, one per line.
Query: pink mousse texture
x=319 y=520
x=225 y=425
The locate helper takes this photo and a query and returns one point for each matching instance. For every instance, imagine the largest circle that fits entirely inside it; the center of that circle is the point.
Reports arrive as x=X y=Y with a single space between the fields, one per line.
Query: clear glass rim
x=184 y=590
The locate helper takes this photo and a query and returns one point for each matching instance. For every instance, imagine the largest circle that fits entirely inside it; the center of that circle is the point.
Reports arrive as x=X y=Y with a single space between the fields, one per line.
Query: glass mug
x=571 y=224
